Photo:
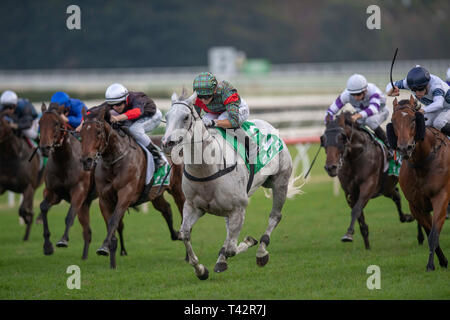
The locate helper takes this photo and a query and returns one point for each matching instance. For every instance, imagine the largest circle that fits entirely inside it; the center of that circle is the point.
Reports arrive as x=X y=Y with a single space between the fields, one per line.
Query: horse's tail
x=293 y=187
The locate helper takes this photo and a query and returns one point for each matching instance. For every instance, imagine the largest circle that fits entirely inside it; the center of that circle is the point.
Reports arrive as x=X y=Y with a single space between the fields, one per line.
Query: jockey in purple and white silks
x=433 y=92
x=368 y=101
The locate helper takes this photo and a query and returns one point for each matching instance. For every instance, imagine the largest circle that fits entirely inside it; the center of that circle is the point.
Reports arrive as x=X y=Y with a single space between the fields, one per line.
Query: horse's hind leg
x=83 y=217
x=279 y=190
x=70 y=217
x=364 y=230
x=398 y=202
x=231 y=248
x=163 y=206
x=26 y=210
x=420 y=236
x=190 y=217
x=123 y=252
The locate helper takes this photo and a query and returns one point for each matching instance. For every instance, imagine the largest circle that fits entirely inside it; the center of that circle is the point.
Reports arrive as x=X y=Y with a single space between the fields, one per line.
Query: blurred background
x=289 y=59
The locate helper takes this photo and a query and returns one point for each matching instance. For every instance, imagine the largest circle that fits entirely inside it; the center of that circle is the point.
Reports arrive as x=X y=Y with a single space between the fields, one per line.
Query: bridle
x=103 y=138
x=62 y=127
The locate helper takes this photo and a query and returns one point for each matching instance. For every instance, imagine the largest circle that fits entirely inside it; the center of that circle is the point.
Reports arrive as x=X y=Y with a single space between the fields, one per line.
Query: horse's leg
x=365 y=192
x=123 y=252
x=420 y=236
x=70 y=217
x=398 y=202
x=106 y=208
x=123 y=202
x=230 y=248
x=364 y=228
x=26 y=209
x=279 y=191
x=50 y=199
x=439 y=212
x=160 y=204
x=83 y=217
x=423 y=219
x=190 y=217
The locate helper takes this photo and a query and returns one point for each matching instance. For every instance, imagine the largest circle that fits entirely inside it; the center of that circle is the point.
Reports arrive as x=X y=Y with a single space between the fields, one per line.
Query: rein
x=100 y=153
x=214 y=176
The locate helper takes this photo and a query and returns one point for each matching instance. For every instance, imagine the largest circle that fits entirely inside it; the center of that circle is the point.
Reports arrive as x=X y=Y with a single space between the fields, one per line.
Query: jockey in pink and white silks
x=368 y=101
x=430 y=90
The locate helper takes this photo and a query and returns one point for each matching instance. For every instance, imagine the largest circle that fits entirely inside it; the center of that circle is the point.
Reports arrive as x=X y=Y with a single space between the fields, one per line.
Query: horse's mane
x=53 y=107
x=96 y=111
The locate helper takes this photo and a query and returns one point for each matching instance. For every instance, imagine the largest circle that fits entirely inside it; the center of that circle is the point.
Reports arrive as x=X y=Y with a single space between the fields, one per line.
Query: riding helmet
x=8 y=98
x=60 y=98
x=418 y=78
x=205 y=84
x=116 y=93
x=356 y=83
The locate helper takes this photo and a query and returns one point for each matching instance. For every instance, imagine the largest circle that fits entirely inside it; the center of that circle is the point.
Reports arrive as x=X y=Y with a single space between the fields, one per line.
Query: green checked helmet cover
x=205 y=83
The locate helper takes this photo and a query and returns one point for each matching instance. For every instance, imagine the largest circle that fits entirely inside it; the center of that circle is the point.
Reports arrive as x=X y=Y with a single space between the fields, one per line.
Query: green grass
x=307 y=258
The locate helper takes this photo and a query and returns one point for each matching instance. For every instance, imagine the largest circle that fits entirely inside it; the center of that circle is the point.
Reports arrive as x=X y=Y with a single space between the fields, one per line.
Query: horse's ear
x=174 y=97
x=61 y=109
x=412 y=101
x=192 y=98
x=395 y=103
x=420 y=127
x=392 y=138
x=328 y=118
x=107 y=114
x=43 y=107
x=184 y=92
x=83 y=112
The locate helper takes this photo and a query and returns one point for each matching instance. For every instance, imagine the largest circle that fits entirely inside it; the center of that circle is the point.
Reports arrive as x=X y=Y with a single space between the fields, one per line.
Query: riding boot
x=382 y=135
x=156 y=153
x=446 y=129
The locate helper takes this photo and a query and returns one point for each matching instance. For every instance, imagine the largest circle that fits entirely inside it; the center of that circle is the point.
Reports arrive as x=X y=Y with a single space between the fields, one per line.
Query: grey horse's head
x=179 y=120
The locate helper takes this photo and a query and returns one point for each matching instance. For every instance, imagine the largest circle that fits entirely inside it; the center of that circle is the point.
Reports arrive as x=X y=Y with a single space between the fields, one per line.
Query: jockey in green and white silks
x=368 y=101
x=220 y=101
x=430 y=90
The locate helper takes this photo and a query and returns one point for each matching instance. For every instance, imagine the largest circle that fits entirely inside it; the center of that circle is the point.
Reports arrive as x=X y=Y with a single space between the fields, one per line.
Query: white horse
x=222 y=187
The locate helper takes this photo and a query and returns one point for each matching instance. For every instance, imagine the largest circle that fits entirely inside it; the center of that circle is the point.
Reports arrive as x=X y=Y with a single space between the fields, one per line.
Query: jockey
x=138 y=112
x=448 y=76
x=73 y=108
x=368 y=101
x=21 y=114
x=433 y=92
x=220 y=101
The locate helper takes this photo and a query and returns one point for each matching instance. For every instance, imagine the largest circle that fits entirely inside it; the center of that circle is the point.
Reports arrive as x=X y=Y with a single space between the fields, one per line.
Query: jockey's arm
x=226 y=124
x=120 y=117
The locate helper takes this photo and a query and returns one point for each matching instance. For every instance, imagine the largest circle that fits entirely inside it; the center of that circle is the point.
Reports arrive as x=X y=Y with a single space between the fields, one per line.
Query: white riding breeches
x=375 y=120
x=438 y=119
x=140 y=128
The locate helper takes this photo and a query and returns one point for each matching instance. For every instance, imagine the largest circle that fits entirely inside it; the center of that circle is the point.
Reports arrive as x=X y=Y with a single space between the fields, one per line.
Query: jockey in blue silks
x=73 y=114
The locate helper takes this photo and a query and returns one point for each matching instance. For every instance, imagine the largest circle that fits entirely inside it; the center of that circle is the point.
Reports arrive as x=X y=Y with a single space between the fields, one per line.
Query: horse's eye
x=186 y=117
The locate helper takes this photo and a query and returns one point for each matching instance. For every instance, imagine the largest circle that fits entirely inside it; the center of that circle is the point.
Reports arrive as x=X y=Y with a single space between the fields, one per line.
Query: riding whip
x=32 y=155
x=392 y=66
x=312 y=163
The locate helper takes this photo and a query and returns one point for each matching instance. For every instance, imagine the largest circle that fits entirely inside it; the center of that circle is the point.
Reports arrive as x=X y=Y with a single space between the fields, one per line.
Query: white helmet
x=356 y=83
x=116 y=93
x=8 y=98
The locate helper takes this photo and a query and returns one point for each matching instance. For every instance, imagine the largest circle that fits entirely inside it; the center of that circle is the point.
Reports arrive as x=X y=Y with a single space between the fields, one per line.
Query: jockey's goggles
x=205 y=97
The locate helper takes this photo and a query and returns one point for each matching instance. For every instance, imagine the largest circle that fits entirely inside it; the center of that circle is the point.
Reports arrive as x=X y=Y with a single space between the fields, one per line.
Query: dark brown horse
x=17 y=174
x=358 y=161
x=65 y=177
x=425 y=173
x=120 y=176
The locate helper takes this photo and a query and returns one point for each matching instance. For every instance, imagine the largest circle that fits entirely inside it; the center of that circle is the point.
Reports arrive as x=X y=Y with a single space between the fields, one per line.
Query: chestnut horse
x=425 y=173
x=65 y=178
x=17 y=174
x=358 y=161
x=120 y=176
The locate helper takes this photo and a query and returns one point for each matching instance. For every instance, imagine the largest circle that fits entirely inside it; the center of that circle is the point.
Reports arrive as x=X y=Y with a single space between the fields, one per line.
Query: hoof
x=444 y=264
x=205 y=274
x=347 y=238
x=123 y=253
x=48 y=250
x=430 y=268
x=262 y=261
x=220 y=267
x=62 y=244
x=103 y=252
x=407 y=218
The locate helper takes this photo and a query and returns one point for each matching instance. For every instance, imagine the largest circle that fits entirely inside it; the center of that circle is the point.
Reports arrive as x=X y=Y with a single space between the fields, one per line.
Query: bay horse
x=358 y=161
x=120 y=175
x=65 y=177
x=219 y=188
x=17 y=174
x=425 y=172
